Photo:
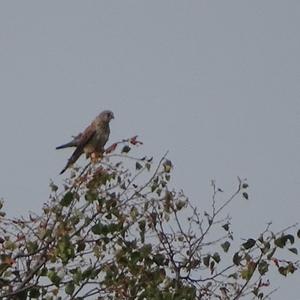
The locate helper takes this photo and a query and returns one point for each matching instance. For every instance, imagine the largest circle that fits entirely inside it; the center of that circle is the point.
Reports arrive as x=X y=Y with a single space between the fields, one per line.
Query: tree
x=116 y=230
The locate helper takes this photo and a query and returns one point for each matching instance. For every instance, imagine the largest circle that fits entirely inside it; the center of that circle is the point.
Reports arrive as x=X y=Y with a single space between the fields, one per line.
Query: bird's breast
x=97 y=142
x=89 y=148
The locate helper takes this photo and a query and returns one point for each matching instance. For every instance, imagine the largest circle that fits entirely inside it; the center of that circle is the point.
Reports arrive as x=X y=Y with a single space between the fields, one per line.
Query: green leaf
x=10 y=245
x=236 y=259
x=246 y=274
x=43 y=271
x=77 y=275
x=248 y=271
x=99 y=229
x=65 y=249
x=206 y=260
x=216 y=257
x=180 y=204
x=70 y=287
x=87 y=274
x=142 y=225
x=53 y=187
x=226 y=226
x=158 y=192
x=154 y=187
x=54 y=278
x=126 y=149
x=225 y=246
x=67 y=199
x=281 y=241
x=294 y=250
x=291 y=268
x=283 y=271
x=159 y=259
x=290 y=238
x=80 y=246
x=91 y=195
x=135 y=257
x=249 y=244
x=167 y=166
x=21 y=295
x=32 y=246
x=245 y=195
x=34 y=293
x=134 y=213
x=138 y=166
x=263 y=267
x=148 y=166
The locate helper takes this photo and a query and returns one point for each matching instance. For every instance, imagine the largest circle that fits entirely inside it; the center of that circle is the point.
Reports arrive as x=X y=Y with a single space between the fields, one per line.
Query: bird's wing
x=83 y=140
x=85 y=137
x=74 y=143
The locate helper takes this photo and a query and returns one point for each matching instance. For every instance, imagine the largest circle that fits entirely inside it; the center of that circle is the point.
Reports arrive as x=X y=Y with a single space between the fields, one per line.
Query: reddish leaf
x=111 y=148
x=134 y=141
x=275 y=260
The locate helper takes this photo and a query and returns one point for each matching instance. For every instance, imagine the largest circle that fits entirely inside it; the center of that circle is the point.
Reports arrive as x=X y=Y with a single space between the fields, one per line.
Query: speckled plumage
x=91 y=140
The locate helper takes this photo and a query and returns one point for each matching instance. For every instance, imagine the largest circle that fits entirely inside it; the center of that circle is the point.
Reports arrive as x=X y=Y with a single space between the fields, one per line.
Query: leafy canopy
x=116 y=230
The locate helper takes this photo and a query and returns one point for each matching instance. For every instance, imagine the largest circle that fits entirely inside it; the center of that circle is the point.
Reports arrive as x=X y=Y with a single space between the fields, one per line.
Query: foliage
x=116 y=230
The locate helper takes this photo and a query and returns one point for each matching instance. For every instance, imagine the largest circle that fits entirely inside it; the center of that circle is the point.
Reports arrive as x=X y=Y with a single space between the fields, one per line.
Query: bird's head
x=106 y=116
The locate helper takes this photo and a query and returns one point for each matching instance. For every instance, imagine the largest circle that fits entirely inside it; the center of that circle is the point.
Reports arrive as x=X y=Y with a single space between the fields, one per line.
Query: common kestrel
x=92 y=140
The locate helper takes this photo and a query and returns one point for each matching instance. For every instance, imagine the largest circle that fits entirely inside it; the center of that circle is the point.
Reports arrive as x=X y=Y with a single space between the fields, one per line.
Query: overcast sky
x=214 y=82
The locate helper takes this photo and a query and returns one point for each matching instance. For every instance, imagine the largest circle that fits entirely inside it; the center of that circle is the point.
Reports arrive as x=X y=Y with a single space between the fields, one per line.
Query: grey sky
x=215 y=82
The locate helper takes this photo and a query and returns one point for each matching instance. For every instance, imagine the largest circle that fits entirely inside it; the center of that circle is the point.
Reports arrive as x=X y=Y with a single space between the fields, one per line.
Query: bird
x=92 y=140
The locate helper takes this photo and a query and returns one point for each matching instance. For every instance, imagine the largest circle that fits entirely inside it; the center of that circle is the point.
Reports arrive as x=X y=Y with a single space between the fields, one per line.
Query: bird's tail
x=64 y=169
x=67 y=145
x=76 y=154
